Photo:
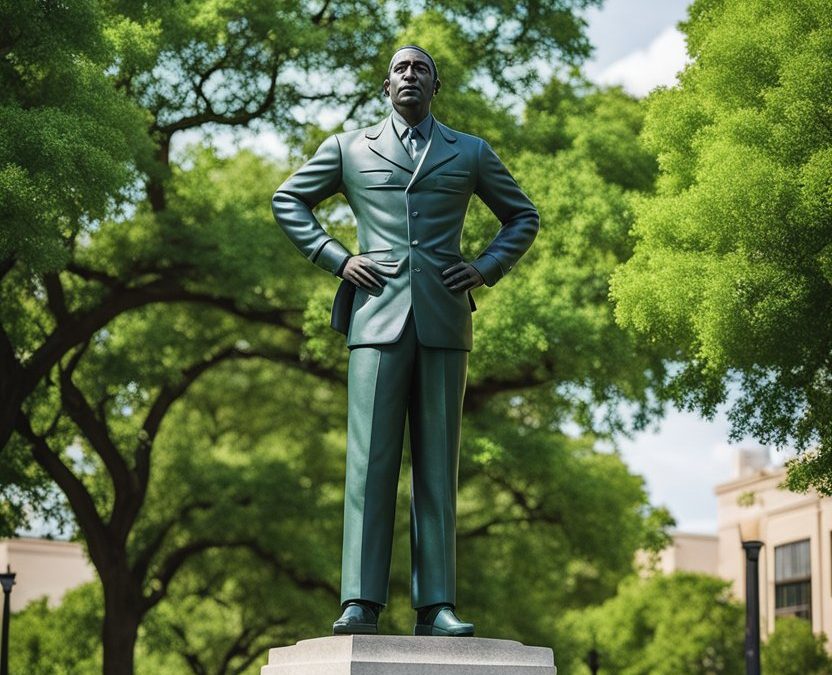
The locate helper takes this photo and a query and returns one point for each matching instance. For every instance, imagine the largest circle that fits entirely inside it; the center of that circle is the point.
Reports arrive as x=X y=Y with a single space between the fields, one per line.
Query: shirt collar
x=401 y=125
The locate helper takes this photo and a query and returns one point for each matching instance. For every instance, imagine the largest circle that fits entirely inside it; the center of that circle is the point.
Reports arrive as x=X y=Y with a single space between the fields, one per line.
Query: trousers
x=387 y=384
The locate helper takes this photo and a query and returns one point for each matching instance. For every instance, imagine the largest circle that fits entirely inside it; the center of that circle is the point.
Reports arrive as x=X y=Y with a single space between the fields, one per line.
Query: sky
x=638 y=46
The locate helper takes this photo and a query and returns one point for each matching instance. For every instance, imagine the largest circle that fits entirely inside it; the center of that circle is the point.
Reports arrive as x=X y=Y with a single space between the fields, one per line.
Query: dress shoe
x=358 y=618
x=441 y=620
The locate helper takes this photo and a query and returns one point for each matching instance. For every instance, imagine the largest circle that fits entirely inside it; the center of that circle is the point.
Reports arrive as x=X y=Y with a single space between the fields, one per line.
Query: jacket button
x=415 y=242
x=414 y=213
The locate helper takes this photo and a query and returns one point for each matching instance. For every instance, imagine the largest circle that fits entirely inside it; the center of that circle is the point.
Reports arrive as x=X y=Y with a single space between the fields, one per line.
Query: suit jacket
x=410 y=217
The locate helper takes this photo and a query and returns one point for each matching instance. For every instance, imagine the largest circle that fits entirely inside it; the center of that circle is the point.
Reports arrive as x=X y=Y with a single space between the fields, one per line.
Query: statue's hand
x=462 y=276
x=365 y=273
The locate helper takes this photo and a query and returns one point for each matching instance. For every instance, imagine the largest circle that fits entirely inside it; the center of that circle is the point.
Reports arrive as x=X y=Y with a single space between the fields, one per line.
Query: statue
x=405 y=306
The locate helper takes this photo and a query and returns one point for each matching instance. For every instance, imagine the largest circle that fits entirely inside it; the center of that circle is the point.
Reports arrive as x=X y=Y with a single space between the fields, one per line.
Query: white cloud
x=646 y=68
x=682 y=461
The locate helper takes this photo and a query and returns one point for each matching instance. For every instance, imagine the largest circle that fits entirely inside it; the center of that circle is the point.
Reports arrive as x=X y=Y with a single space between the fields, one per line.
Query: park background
x=172 y=394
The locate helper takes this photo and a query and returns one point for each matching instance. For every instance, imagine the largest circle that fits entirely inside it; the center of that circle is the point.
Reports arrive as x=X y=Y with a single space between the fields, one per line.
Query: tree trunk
x=121 y=624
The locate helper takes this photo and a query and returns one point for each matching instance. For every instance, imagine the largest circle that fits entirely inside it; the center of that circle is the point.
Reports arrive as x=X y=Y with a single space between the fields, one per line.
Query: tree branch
x=360 y=100
x=83 y=325
x=89 y=520
x=190 y=656
x=241 y=645
x=94 y=275
x=55 y=297
x=6 y=265
x=239 y=117
x=125 y=486
x=479 y=393
x=145 y=556
x=254 y=653
x=174 y=562
x=318 y=17
x=10 y=367
x=170 y=393
x=484 y=529
x=298 y=579
x=531 y=513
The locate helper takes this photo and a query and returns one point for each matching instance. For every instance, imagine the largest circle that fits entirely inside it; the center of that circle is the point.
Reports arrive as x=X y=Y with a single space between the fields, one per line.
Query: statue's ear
x=385 y=87
x=436 y=85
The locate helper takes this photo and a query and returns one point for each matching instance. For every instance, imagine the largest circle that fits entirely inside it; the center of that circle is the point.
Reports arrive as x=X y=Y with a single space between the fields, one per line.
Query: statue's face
x=410 y=82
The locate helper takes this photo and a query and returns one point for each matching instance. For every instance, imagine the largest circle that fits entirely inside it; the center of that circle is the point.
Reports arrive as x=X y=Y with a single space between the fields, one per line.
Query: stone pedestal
x=409 y=655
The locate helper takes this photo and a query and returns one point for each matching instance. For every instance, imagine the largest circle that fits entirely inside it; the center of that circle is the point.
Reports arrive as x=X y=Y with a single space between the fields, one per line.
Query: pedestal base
x=409 y=655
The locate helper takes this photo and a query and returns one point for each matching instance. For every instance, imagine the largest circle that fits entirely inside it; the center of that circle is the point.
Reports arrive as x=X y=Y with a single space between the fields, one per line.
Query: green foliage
x=136 y=289
x=549 y=321
x=545 y=518
x=793 y=650
x=64 y=640
x=601 y=126
x=731 y=270
x=70 y=143
x=662 y=625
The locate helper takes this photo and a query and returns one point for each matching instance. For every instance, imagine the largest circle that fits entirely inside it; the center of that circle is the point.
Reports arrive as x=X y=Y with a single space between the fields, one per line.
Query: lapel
x=384 y=143
x=440 y=150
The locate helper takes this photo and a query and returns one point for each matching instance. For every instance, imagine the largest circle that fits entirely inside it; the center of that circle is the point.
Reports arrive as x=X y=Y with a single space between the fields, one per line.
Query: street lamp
x=7 y=581
x=593 y=660
x=751 y=544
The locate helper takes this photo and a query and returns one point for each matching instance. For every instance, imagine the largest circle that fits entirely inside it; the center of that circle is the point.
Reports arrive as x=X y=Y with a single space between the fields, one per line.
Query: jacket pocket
x=379 y=179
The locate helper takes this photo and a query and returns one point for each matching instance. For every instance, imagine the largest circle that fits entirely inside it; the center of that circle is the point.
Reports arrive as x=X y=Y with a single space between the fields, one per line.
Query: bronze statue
x=405 y=306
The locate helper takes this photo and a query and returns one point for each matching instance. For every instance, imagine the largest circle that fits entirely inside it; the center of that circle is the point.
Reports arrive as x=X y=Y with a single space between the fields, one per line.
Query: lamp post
x=7 y=581
x=751 y=544
x=593 y=660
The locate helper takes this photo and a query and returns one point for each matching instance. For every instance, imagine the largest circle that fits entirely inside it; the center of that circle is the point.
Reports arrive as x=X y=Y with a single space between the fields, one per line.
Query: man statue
x=405 y=305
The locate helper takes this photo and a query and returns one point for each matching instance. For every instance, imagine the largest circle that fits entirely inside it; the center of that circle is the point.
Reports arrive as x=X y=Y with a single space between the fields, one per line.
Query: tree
x=149 y=70
x=678 y=623
x=168 y=454
x=731 y=273
x=70 y=148
x=793 y=650
x=146 y=71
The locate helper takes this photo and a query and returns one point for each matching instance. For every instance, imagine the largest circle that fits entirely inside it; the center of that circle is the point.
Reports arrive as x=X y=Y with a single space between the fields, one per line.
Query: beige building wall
x=691 y=553
x=44 y=567
x=686 y=553
x=780 y=517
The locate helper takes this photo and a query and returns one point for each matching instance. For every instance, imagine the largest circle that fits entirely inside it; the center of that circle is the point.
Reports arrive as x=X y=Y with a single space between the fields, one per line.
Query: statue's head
x=412 y=79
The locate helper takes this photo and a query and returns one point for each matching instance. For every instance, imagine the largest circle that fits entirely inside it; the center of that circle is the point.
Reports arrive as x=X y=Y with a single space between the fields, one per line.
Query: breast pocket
x=379 y=179
x=454 y=180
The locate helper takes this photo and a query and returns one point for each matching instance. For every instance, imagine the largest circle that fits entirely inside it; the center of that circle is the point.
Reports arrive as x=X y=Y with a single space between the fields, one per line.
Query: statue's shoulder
x=455 y=136
x=354 y=138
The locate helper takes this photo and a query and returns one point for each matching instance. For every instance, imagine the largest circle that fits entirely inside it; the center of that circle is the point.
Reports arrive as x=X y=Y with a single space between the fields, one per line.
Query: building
x=687 y=553
x=796 y=530
x=44 y=568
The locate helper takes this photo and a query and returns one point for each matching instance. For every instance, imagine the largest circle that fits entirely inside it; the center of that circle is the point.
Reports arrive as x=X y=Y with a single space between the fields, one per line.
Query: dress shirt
x=422 y=134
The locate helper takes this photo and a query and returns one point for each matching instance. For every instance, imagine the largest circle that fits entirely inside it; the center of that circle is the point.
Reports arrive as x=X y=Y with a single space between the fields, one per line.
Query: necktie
x=410 y=142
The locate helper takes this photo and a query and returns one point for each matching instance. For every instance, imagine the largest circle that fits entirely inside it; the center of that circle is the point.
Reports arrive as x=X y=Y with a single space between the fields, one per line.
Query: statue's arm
x=518 y=217
x=294 y=200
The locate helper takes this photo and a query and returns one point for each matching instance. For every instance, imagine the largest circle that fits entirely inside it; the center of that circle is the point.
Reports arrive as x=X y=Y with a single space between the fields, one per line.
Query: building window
x=793 y=580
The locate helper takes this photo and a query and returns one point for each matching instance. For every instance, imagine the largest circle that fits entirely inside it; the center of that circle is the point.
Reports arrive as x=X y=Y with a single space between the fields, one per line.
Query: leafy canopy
x=732 y=269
